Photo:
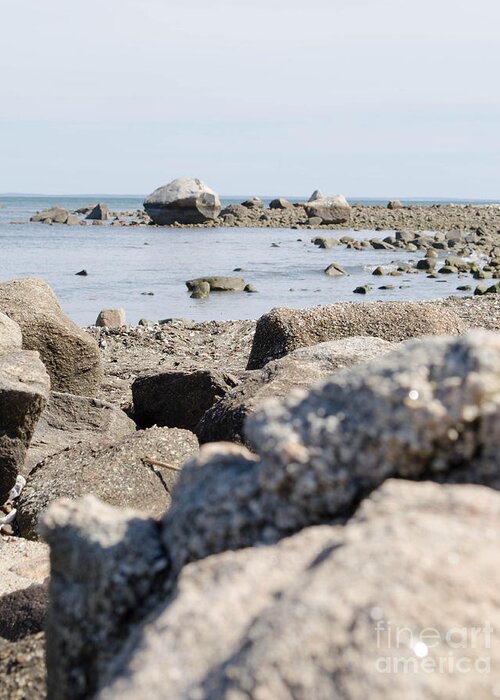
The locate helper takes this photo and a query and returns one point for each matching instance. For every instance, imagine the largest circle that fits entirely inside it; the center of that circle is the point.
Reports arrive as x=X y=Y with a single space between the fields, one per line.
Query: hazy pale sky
x=364 y=97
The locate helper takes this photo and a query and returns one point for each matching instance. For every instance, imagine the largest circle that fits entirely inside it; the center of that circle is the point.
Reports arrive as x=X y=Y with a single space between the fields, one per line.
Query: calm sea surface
x=125 y=263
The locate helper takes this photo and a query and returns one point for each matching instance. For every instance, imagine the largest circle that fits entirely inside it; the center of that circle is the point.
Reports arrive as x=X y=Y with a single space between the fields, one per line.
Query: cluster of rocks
x=331 y=497
x=332 y=415
x=201 y=287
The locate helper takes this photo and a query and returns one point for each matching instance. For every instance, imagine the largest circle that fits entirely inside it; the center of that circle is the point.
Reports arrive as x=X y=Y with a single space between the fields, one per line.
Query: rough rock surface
x=23 y=612
x=184 y=200
x=22 y=668
x=123 y=474
x=299 y=370
x=24 y=390
x=430 y=409
x=68 y=419
x=11 y=337
x=309 y=617
x=107 y=567
x=22 y=563
x=310 y=613
x=111 y=318
x=178 y=399
x=71 y=357
x=282 y=330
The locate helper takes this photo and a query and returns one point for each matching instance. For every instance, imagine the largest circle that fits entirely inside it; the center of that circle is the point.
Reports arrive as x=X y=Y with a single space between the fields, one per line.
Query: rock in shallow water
x=184 y=200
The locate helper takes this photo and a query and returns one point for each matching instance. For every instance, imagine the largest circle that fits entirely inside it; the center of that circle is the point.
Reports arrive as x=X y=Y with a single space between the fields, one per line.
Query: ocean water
x=126 y=264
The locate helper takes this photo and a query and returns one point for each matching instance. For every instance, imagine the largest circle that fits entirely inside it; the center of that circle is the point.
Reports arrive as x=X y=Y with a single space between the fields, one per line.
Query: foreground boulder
x=11 y=337
x=428 y=410
x=313 y=612
x=185 y=201
x=137 y=471
x=299 y=370
x=178 y=399
x=24 y=390
x=282 y=330
x=332 y=210
x=69 y=419
x=70 y=355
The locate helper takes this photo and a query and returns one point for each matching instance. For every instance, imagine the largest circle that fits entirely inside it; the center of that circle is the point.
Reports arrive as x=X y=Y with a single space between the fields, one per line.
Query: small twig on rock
x=156 y=463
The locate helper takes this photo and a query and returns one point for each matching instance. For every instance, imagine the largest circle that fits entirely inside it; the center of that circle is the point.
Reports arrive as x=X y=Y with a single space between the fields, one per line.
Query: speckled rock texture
x=24 y=390
x=70 y=355
x=22 y=563
x=68 y=419
x=430 y=409
x=299 y=370
x=11 y=337
x=107 y=568
x=413 y=554
x=310 y=616
x=123 y=474
x=282 y=330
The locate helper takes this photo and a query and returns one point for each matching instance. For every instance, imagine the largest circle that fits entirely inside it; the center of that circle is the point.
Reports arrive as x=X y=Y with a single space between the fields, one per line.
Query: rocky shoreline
x=316 y=418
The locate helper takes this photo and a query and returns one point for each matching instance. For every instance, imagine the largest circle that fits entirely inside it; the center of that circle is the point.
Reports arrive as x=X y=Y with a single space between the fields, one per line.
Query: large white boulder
x=185 y=200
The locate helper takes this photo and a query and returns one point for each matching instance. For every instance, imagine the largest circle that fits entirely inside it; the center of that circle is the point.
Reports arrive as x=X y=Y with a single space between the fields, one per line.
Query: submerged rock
x=218 y=284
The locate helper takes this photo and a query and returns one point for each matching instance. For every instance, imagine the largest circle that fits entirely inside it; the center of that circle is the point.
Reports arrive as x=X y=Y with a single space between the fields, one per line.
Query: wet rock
x=81 y=273
x=282 y=330
x=299 y=370
x=335 y=270
x=69 y=419
x=364 y=289
x=200 y=290
x=70 y=355
x=24 y=390
x=378 y=271
x=55 y=215
x=218 y=284
x=178 y=399
x=111 y=318
x=99 y=213
x=10 y=335
x=184 y=200
x=426 y=264
x=323 y=242
x=127 y=474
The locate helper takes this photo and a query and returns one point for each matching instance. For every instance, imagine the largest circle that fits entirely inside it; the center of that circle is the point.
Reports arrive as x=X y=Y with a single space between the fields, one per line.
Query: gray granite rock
x=24 y=390
x=282 y=330
x=70 y=355
x=184 y=200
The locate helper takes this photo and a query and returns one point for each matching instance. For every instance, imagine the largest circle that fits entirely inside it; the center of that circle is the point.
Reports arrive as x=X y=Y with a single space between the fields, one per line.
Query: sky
x=374 y=98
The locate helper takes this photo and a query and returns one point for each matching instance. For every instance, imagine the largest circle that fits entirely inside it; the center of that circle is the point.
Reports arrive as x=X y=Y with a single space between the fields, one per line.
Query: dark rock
x=99 y=213
x=178 y=399
x=280 y=203
x=23 y=612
